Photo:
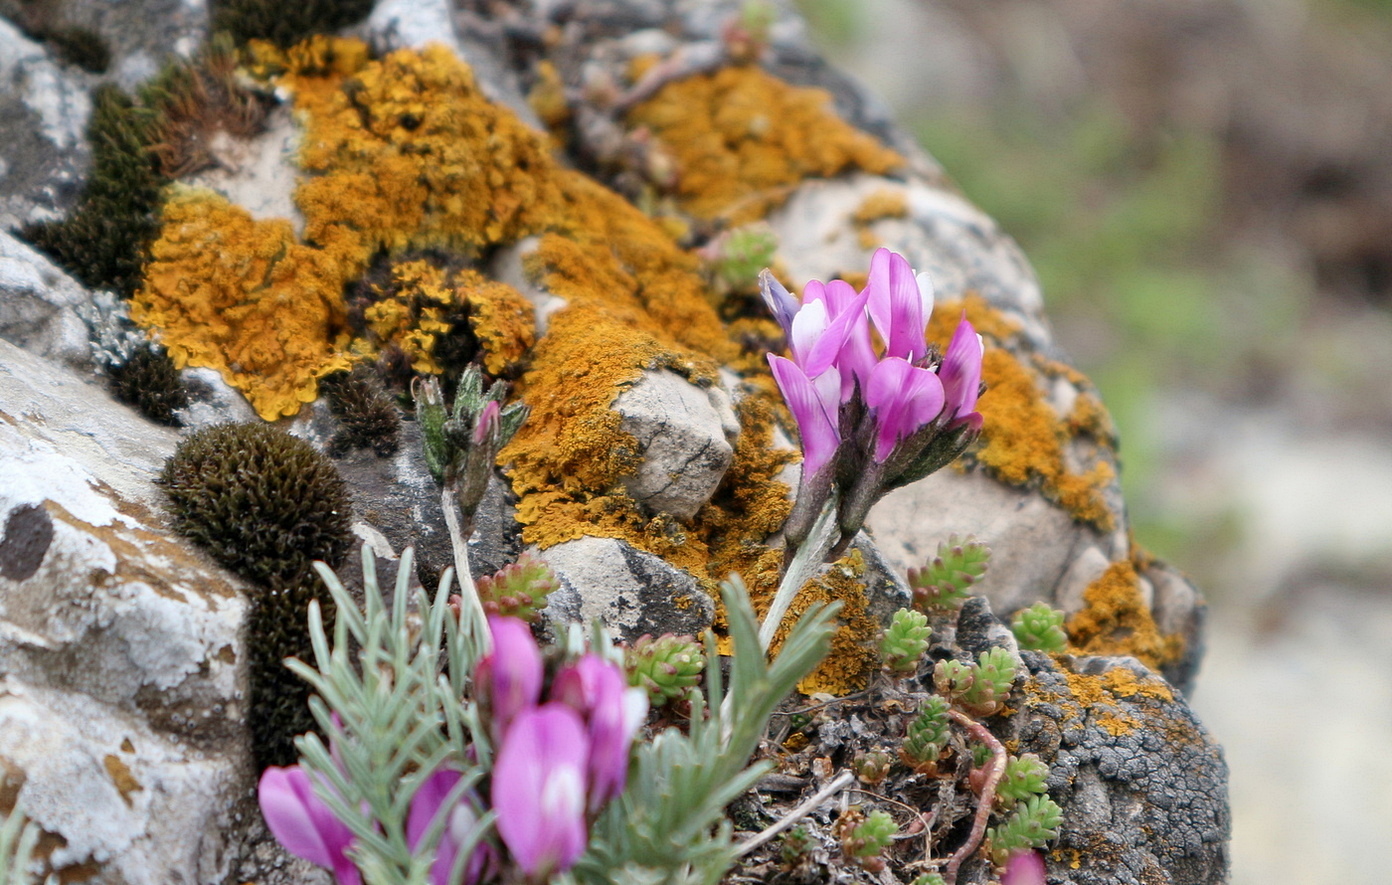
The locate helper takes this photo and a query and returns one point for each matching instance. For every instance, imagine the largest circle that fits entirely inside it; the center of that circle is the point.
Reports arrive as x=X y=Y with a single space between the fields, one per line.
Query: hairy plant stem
x=988 y=793
x=837 y=785
x=810 y=556
x=473 y=622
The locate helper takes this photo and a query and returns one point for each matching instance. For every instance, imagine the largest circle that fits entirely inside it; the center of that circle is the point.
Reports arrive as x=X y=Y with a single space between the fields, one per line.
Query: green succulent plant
x=904 y=642
x=927 y=734
x=945 y=581
x=1025 y=777
x=980 y=688
x=1039 y=627
x=669 y=667
x=518 y=590
x=1034 y=822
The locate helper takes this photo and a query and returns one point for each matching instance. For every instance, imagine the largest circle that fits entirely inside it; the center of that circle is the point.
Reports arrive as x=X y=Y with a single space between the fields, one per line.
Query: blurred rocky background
x=1205 y=189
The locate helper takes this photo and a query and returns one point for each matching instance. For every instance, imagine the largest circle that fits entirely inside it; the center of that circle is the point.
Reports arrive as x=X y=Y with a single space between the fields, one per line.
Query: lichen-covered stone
x=684 y=434
x=632 y=592
x=124 y=676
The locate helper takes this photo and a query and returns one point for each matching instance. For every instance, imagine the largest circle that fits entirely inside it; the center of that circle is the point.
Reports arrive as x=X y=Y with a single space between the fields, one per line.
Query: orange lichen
x=741 y=138
x=422 y=305
x=406 y=152
x=1116 y=621
x=1023 y=438
x=241 y=296
x=883 y=203
x=854 y=656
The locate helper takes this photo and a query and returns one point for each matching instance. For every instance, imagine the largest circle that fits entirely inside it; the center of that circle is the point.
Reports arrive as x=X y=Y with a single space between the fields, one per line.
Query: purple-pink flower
x=870 y=419
x=510 y=676
x=815 y=404
x=1024 y=868
x=903 y=399
x=426 y=806
x=539 y=782
x=900 y=303
x=961 y=374
x=304 y=824
x=598 y=691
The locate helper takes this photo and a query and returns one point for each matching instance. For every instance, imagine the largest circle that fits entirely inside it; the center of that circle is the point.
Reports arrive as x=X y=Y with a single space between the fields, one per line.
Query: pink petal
x=961 y=369
x=598 y=691
x=511 y=675
x=904 y=399
x=820 y=435
x=304 y=824
x=539 y=789
x=1024 y=868
x=809 y=329
x=896 y=305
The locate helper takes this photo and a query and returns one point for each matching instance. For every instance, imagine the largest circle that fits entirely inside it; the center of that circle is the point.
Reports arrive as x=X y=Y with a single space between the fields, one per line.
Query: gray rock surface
x=686 y=435
x=40 y=305
x=631 y=591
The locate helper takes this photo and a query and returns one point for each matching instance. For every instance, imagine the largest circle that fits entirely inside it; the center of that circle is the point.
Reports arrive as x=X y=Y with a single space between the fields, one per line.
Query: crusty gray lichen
x=1142 y=784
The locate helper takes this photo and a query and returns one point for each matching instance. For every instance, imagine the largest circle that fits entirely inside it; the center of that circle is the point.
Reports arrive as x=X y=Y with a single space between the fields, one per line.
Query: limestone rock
x=686 y=435
x=39 y=304
x=632 y=592
x=122 y=723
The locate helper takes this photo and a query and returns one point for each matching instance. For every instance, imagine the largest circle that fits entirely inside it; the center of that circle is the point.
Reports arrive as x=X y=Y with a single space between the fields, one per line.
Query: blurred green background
x=1204 y=188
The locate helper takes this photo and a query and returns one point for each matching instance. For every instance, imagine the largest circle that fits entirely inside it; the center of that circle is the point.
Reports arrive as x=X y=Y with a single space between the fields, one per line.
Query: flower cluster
x=870 y=420
x=557 y=763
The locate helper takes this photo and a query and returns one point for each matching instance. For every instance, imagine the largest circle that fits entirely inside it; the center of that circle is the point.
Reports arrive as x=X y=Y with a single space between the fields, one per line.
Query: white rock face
x=687 y=437
x=942 y=234
x=121 y=679
x=632 y=592
x=1036 y=547
x=38 y=305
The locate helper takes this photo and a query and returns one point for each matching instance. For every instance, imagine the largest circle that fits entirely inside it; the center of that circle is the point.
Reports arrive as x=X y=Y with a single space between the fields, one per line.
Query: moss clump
x=741 y=138
x=367 y=416
x=283 y=23
x=102 y=242
x=194 y=102
x=263 y=503
x=79 y=46
x=149 y=381
x=278 y=699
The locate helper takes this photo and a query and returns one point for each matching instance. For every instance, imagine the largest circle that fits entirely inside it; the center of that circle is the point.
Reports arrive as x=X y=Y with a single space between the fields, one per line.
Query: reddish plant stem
x=994 y=772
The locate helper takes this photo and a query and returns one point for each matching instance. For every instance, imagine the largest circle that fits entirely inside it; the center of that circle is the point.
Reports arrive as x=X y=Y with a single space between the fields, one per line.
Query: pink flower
x=900 y=304
x=1024 y=868
x=855 y=356
x=961 y=374
x=904 y=398
x=598 y=691
x=303 y=824
x=510 y=677
x=486 y=425
x=815 y=404
x=426 y=805
x=539 y=789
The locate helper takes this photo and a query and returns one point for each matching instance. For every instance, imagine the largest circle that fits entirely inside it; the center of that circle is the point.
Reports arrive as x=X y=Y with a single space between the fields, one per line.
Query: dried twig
x=837 y=785
x=988 y=793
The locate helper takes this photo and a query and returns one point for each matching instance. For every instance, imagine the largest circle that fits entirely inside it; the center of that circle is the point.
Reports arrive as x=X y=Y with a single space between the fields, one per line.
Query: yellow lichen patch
x=406 y=152
x=741 y=138
x=241 y=296
x=1116 y=621
x=502 y=319
x=853 y=656
x=121 y=776
x=423 y=304
x=883 y=203
x=1023 y=438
